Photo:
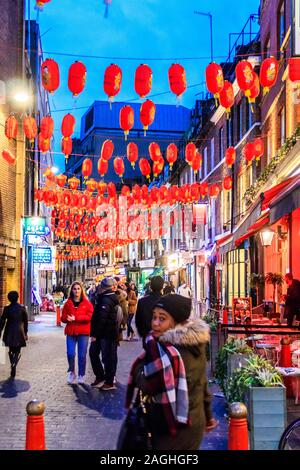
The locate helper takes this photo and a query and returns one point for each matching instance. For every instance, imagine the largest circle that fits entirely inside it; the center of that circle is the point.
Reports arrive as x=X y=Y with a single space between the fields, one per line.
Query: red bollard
x=35 y=427
x=238 y=427
x=286 y=361
x=58 y=319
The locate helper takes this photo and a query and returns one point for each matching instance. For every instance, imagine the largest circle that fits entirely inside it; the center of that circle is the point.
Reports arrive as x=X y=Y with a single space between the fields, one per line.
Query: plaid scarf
x=164 y=372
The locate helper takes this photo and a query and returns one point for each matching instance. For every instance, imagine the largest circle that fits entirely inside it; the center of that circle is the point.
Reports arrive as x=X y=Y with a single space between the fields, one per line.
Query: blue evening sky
x=141 y=29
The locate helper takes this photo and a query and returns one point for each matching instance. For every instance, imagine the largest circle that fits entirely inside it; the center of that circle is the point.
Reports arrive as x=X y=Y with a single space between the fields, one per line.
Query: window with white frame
x=205 y=162
x=212 y=154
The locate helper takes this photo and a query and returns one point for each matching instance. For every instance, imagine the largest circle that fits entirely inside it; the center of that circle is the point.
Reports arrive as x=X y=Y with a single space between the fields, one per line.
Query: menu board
x=241 y=310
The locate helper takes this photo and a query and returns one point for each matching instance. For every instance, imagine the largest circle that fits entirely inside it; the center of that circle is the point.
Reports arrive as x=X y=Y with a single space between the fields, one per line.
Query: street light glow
x=21 y=97
x=54 y=170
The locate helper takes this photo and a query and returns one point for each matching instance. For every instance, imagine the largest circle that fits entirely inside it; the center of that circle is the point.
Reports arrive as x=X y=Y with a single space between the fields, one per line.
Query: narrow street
x=76 y=417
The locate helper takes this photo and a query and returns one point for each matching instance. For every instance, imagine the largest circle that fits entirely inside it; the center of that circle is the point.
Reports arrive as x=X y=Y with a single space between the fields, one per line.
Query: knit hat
x=108 y=283
x=178 y=306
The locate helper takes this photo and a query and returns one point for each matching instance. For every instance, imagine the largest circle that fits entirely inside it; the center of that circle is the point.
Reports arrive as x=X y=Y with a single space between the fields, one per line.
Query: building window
x=226 y=206
x=205 y=162
x=281 y=24
x=212 y=154
x=221 y=144
x=239 y=121
x=229 y=133
x=282 y=126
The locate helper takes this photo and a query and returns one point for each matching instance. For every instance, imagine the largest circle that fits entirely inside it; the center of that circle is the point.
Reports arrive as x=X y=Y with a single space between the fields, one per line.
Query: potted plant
x=259 y=385
x=276 y=279
x=257 y=281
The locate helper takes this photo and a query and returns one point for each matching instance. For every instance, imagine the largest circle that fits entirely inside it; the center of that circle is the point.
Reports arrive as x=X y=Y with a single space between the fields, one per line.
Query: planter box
x=266 y=416
x=235 y=361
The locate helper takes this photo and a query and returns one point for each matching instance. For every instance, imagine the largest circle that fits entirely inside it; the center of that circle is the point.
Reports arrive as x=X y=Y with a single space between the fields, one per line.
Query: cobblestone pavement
x=77 y=416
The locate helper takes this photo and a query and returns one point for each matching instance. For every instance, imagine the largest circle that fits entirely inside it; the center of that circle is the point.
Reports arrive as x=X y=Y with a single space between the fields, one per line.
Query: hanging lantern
x=43 y=144
x=126 y=119
x=258 y=146
x=30 y=128
x=9 y=157
x=66 y=146
x=111 y=190
x=50 y=75
x=147 y=114
x=144 y=193
x=190 y=152
x=143 y=80
x=119 y=166
x=11 y=127
x=107 y=150
x=132 y=153
x=47 y=127
x=87 y=168
x=177 y=79
x=248 y=151
x=61 y=180
x=158 y=166
x=230 y=156
x=294 y=69
x=77 y=78
x=227 y=97
x=154 y=151
x=68 y=125
x=91 y=185
x=136 y=192
x=41 y=3
x=204 y=189
x=196 y=162
x=102 y=166
x=268 y=73
x=163 y=194
x=227 y=183
x=255 y=89
x=49 y=175
x=245 y=76
x=145 y=167
x=112 y=81
x=73 y=183
x=125 y=191
x=214 y=190
x=101 y=187
x=173 y=194
x=214 y=79
x=171 y=154
x=154 y=194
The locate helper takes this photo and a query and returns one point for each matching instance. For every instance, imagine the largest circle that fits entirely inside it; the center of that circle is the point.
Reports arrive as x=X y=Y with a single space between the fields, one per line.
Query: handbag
x=135 y=433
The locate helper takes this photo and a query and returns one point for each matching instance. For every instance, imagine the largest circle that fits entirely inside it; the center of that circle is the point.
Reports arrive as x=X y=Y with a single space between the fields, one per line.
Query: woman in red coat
x=77 y=313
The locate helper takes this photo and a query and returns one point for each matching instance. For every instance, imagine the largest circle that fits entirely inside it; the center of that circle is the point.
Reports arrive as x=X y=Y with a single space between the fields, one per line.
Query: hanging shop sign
x=35 y=226
x=42 y=255
x=146 y=263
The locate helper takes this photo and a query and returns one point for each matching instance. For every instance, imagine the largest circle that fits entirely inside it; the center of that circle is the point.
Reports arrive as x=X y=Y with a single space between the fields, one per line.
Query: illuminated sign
x=35 y=226
x=42 y=254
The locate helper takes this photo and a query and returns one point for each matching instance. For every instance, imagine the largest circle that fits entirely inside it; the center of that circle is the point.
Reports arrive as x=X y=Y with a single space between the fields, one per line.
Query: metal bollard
x=35 y=427
x=238 y=427
x=58 y=318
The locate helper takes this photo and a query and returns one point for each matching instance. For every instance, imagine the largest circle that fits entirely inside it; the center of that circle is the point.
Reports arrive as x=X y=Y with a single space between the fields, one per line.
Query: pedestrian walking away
x=171 y=375
x=132 y=305
x=14 y=320
x=77 y=313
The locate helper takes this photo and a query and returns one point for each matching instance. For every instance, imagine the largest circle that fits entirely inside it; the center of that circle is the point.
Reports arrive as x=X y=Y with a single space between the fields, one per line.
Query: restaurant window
x=212 y=154
x=237 y=261
x=221 y=144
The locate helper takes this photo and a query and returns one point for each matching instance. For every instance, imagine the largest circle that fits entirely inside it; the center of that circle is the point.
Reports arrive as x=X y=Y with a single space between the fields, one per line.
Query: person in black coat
x=143 y=316
x=292 y=299
x=14 y=320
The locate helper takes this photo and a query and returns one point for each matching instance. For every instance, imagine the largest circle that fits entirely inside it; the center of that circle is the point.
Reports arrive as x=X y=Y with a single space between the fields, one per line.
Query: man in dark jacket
x=292 y=299
x=143 y=316
x=104 y=335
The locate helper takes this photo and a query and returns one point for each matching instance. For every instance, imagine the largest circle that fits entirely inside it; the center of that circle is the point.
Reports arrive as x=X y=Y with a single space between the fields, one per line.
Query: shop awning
x=253 y=229
x=225 y=244
x=287 y=201
x=277 y=190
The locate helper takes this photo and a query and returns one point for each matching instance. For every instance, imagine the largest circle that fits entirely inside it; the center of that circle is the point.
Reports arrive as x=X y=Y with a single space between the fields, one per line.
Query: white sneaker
x=71 y=378
x=80 y=379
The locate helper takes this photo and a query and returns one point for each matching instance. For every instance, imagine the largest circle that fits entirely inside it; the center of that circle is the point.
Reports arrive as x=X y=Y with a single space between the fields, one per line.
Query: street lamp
x=21 y=96
x=211 y=31
x=266 y=237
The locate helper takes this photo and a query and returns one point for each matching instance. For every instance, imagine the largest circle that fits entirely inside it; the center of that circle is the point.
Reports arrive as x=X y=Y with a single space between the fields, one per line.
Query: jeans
x=129 y=327
x=82 y=341
x=108 y=349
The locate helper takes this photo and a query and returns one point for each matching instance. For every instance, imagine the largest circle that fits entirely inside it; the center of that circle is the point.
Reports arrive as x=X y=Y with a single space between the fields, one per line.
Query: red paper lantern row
x=154 y=151
x=126 y=119
x=190 y=152
x=294 y=69
x=9 y=157
x=248 y=151
x=145 y=167
x=77 y=78
x=50 y=75
x=43 y=144
x=47 y=127
x=66 y=146
x=30 y=127
x=259 y=147
x=49 y=175
x=158 y=166
x=68 y=125
x=87 y=168
x=268 y=73
x=214 y=190
x=230 y=156
x=11 y=127
x=197 y=162
x=171 y=154
x=132 y=153
x=255 y=89
x=177 y=79
x=147 y=114
x=119 y=166
x=73 y=183
x=143 y=80
x=102 y=166
x=214 y=79
x=245 y=76
x=112 y=81
x=107 y=150
x=226 y=97
x=227 y=183
x=61 y=180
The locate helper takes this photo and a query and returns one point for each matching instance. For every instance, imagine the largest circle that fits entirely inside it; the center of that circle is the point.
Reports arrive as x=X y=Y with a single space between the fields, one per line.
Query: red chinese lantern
x=68 y=125
x=214 y=79
x=255 y=89
x=147 y=114
x=132 y=153
x=66 y=146
x=294 y=69
x=214 y=190
x=197 y=162
x=230 y=156
x=61 y=180
x=77 y=78
x=107 y=150
x=101 y=187
x=143 y=80
x=154 y=151
x=43 y=144
x=248 y=151
x=227 y=97
x=227 y=183
x=258 y=145
x=50 y=75
x=30 y=127
x=111 y=190
x=47 y=127
x=11 y=127
x=49 y=175
x=119 y=166
x=203 y=189
x=163 y=194
x=125 y=191
x=87 y=168
x=190 y=152
x=154 y=195
x=268 y=73
x=91 y=185
x=171 y=154
x=136 y=192
x=112 y=81
x=102 y=166
x=41 y=3
x=158 y=166
x=195 y=192
x=245 y=76
x=73 y=183
x=145 y=167
x=144 y=193
x=126 y=119
x=177 y=79
x=173 y=194
x=9 y=157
